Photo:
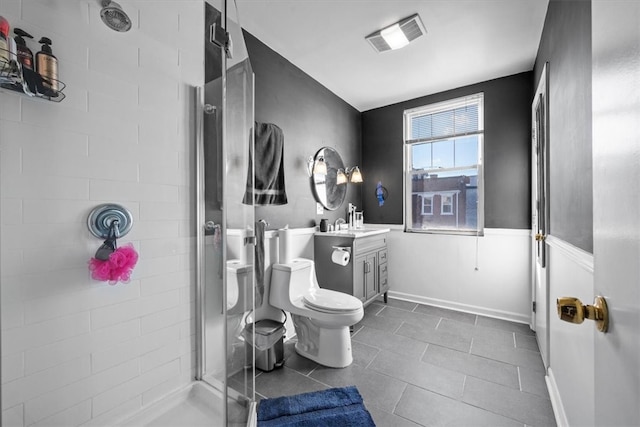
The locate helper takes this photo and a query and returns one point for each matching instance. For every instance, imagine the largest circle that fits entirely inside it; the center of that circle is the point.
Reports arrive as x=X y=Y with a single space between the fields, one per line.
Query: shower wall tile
x=74 y=350
x=74 y=416
x=12 y=367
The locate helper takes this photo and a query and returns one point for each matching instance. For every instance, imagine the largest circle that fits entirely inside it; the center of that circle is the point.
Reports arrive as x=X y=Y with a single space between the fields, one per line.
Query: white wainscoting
x=571 y=347
x=488 y=275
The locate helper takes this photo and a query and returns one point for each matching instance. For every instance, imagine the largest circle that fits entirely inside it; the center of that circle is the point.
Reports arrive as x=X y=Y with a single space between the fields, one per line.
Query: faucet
x=338 y=222
x=352 y=215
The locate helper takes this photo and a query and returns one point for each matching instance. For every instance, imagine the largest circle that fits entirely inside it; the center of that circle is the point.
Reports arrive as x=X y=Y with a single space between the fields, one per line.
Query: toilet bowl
x=238 y=283
x=321 y=317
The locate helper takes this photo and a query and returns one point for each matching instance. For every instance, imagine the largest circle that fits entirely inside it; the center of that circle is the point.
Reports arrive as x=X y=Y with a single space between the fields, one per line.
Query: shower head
x=115 y=18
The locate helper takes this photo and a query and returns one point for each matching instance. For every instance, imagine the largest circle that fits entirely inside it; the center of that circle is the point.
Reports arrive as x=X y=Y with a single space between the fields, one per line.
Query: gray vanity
x=365 y=276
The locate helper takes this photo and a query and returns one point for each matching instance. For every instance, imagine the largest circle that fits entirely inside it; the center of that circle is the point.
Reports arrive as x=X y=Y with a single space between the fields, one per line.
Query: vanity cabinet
x=365 y=276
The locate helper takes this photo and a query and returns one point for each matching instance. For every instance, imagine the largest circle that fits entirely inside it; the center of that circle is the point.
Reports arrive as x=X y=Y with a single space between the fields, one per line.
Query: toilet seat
x=328 y=301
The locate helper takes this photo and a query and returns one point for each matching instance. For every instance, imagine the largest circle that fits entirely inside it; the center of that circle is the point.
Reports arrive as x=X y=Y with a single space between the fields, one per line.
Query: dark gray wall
x=566 y=45
x=311 y=117
x=507 y=158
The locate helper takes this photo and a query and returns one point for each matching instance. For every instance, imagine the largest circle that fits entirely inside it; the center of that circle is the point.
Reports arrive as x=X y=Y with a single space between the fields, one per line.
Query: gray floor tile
x=533 y=381
x=494 y=337
x=388 y=324
x=504 y=325
x=404 y=305
x=285 y=382
x=464 y=330
x=362 y=353
x=431 y=409
x=458 y=316
x=480 y=367
x=515 y=356
x=434 y=336
x=523 y=407
x=420 y=374
x=376 y=389
x=385 y=419
x=465 y=378
x=392 y=342
x=528 y=342
x=418 y=319
x=300 y=364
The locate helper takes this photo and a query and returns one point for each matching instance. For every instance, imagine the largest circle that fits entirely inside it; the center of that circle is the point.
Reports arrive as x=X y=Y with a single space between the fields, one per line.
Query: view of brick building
x=444 y=202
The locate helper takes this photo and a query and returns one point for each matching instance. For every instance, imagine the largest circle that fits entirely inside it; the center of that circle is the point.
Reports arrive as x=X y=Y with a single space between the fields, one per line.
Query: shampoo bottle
x=4 y=44
x=47 y=66
x=25 y=56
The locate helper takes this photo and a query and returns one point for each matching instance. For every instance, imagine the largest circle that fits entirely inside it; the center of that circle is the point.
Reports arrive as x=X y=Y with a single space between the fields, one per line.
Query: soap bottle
x=4 y=44
x=25 y=56
x=47 y=66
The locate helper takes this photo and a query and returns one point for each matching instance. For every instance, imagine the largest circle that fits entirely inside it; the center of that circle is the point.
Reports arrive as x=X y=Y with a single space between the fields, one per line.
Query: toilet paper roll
x=340 y=257
x=285 y=247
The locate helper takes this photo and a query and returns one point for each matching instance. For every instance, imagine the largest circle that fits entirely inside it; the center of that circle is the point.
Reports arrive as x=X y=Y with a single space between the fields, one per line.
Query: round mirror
x=325 y=188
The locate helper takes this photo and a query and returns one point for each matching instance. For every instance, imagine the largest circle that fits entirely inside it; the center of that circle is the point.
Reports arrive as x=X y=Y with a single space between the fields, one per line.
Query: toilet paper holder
x=343 y=248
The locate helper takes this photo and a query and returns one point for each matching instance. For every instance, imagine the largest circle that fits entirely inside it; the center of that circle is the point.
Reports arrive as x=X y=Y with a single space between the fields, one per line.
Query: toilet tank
x=297 y=275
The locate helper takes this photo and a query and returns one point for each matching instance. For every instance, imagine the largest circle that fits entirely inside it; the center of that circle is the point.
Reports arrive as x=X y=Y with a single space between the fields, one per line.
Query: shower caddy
x=15 y=78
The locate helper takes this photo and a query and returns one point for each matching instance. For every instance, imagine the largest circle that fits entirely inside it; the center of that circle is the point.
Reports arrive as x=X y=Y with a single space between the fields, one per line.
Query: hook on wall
x=109 y=218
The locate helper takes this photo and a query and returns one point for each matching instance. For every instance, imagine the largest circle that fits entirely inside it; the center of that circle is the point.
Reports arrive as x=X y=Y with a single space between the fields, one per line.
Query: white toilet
x=321 y=317
x=239 y=277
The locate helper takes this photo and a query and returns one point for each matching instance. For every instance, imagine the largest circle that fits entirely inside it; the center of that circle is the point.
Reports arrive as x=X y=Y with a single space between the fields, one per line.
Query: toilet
x=239 y=277
x=321 y=317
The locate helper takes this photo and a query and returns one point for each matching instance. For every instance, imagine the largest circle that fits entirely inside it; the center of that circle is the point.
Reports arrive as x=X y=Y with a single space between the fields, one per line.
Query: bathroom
x=81 y=352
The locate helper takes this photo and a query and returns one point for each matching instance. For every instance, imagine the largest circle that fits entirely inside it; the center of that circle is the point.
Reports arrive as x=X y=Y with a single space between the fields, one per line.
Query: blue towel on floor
x=307 y=402
x=343 y=416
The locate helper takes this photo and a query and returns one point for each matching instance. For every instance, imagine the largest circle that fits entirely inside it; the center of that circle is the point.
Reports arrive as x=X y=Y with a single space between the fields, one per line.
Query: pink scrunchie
x=118 y=267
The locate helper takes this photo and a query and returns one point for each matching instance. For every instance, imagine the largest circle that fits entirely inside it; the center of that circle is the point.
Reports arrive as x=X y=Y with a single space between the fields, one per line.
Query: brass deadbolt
x=572 y=310
x=539 y=237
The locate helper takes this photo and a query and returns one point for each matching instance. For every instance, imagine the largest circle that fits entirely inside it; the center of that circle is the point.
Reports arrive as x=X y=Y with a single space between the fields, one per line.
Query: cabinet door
x=370 y=266
x=383 y=283
x=359 y=279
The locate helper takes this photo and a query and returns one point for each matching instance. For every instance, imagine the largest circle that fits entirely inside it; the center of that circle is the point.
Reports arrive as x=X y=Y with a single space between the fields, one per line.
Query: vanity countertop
x=353 y=232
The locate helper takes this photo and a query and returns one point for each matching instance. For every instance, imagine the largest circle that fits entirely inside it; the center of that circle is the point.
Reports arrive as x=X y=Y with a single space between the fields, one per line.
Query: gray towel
x=266 y=186
x=261 y=227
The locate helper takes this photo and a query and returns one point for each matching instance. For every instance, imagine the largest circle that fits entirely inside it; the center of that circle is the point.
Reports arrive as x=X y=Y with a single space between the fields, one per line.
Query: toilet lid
x=331 y=301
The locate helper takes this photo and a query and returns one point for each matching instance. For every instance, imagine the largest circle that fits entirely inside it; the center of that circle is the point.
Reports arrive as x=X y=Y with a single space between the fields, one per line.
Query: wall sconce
x=352 y=175
x=317 y=167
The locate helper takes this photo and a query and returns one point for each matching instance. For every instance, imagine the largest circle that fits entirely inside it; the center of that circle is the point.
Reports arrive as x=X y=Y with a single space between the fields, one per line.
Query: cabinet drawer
x=382 y=256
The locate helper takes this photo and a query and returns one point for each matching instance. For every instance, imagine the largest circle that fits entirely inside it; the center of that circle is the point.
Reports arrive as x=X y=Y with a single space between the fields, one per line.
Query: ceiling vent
x=397 y=35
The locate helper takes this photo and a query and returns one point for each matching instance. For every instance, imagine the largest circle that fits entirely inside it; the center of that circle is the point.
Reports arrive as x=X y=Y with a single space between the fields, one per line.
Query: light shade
x=320 y=167
x=397 y=35
x=341 y=177
x=356 y=176
x=394 y=37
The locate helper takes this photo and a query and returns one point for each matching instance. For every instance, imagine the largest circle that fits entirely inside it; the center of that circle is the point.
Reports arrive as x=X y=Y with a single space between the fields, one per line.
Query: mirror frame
x=325 y=188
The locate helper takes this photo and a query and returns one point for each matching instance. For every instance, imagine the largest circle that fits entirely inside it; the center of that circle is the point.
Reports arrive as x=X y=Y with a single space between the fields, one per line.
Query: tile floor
x=418 y=365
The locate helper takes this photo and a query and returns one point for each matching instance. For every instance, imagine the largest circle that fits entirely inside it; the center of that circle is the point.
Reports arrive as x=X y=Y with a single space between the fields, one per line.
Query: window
x=443 y=166
x=427 y=205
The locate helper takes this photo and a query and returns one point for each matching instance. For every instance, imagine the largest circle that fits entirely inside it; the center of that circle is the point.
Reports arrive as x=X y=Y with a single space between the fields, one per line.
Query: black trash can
x=269 y=343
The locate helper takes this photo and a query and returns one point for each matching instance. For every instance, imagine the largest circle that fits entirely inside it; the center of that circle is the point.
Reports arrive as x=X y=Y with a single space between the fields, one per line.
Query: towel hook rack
x=109 y=219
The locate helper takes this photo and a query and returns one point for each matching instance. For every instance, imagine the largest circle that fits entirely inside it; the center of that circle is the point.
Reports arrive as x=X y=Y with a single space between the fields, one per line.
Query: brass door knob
x=572 y=310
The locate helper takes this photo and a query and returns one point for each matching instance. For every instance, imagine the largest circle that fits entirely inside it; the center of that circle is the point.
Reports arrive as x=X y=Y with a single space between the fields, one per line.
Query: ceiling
x=467 y=41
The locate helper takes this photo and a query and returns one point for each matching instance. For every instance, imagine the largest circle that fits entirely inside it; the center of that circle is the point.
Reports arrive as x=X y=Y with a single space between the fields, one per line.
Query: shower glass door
x=225 y=237
x=239 y=219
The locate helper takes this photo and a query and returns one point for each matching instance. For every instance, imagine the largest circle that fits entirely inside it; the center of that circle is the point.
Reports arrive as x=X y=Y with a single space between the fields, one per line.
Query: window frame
x=452 y=104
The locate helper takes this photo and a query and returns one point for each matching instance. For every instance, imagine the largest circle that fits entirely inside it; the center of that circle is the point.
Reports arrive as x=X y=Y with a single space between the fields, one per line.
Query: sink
x=354 y=232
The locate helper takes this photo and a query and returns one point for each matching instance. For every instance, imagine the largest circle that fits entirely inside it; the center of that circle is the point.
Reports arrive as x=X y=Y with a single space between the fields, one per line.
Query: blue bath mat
x=332 y=407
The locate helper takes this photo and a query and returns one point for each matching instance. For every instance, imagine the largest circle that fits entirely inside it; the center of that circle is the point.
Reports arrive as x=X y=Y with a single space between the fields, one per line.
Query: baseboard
x=556 y=401
x=483 y=311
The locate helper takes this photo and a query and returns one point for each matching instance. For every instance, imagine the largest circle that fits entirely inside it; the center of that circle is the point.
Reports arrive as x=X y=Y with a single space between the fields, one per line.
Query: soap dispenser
x=47 y=66
x=25 y=56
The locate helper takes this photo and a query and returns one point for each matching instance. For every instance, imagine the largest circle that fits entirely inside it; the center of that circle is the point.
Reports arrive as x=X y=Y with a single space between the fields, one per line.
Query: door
x=370 y=268
x=540 y=216
x=616 y=210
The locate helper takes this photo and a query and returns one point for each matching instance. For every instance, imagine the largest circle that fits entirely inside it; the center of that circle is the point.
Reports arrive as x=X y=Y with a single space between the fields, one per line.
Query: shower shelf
x=12 y=77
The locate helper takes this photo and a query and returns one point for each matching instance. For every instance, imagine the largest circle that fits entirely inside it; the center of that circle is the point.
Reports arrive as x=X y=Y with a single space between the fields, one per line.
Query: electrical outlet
x=319 y=209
